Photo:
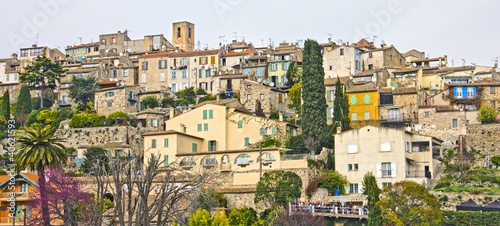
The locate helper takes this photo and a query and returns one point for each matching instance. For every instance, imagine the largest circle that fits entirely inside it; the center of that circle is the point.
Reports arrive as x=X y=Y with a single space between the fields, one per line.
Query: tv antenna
x=235 y=35
x=374 y=37
x=198 y=43
x=221 y=38
x=36 y=41
x=463 y=61
x=329 y=34
x=80 y=39
x=262 y=40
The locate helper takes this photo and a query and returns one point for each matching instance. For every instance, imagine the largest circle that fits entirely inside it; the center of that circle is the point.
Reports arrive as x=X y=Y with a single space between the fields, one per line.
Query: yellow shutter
x=212 y=60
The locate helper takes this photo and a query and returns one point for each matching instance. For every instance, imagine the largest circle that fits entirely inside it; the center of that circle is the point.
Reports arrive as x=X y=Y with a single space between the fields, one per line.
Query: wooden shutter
x=195 y=147
x=393 y=169
x=165 y=163
x=379 y=170
x=205 y=127
x=240 y=124
x=247 y=141
x=262 y=131
x=204 y=114
x=165 y=142
x=199 y=127
x=212 y=60
x=353 y=100
x=280 y=98
x=210 y=113
x=153 y=144
x=273 y=130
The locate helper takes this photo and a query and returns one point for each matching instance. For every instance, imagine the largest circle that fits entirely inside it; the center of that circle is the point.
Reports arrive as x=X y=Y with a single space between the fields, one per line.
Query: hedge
x=470 y=218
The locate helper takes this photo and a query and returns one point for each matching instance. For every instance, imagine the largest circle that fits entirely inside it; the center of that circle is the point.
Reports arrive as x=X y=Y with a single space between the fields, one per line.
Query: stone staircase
x=437 y=176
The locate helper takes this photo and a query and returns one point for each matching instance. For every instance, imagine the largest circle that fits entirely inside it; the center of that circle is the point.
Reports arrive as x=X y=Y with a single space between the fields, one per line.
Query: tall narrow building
x=183 y=35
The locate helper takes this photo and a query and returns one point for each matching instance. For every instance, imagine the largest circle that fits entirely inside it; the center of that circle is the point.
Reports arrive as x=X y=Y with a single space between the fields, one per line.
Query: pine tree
x=6 y=105
x=341 y=107
x=313 y=94
x=23 y=107
x=372 y=190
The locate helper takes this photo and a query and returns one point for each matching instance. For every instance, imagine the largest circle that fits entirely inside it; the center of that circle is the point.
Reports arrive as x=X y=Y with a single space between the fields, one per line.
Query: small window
x=353 y=188
x=341 y=52
x=492 y=90
x=249 y=96
x=354 y=116
x=354 y=100
x=331 y=68
x=367 y=115
x=247 y=141
x=370 y=55
x=356 y=167
x=205 y=127
x=455 y=123
x=352 y=148
x=24 y=187
x=165 y=142
x=240 y=123
x=212 y=145
x=426 y=113
x=144 y=65
x=349 y=167
x=261 y=96
x=386 y=184
x=110 y=104
x=153 y=143
x=385 y=146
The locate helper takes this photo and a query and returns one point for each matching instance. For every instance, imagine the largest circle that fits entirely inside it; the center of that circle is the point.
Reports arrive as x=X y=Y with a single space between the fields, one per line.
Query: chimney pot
x=339 y=129
x=281 y=117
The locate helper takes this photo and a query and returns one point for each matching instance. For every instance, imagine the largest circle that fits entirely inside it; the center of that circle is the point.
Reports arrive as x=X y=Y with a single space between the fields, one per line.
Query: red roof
x=180 y=53
x=79 y=46
x=364 y=42
x=238 y=53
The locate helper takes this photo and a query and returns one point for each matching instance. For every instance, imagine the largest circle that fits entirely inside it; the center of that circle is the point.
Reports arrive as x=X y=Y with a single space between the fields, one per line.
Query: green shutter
x=205 y=127
x=165 y=142
x=204 y=114
x=195 y=147
x=291 y=132
x=106 y=94
x=353 y=100
x=247 y=141
x=240 y=124
x=152 y=122
x=199 y=127
x=367 y=99
x=262 y=131
x=274 y=130
x=165 y=162
x=210 y=113
x=282 y=66
x=153 y=145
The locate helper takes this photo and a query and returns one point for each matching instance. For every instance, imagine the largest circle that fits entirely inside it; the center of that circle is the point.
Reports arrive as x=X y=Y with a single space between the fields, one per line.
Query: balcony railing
x=296 y=157
x=12 y=69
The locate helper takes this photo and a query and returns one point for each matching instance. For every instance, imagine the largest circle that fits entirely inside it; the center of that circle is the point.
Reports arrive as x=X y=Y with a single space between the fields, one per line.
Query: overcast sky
x=461 y=29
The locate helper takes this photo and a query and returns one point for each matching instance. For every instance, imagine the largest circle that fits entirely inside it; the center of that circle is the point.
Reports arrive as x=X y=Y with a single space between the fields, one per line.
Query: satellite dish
x=268 y=55
x=264 y=81
x=117 y=84
x=350 y=77
x=271 y=84
x=122 y=83
x=374 y=79
x=259 y=80
x=121 y=54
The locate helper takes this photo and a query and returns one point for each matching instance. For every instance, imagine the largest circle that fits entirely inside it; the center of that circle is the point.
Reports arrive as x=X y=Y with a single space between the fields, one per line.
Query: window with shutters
x=385 y=146
x=205 y=127
x=162 y=64
x=184 y=61
x=262 y=131
x=285 y=66
x=203 y=60
x=165 y=142
x=153 y=143
x=165 y=161
x=194 y=147
x=367 y=115
x=492 y=90
x=109 y=104
x=240 y=124
x=205 y=114
x=273 y=130
x=210 y=113
x=184 y=74
x=349 y=167
x=366 y=98
x=354 y=116
x=212 y=145
x=174 y=75
x=247 y=141
x=354 y=100
x=386 y=184
x=24 y=187
x=125 y=73
x=199 y=127
x=352 y=148
x=154 y=122
x=386 y=169
x=144 y=65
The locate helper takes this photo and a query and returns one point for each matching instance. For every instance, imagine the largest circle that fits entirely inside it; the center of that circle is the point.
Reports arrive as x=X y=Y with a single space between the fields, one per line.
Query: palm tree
x=38 y=149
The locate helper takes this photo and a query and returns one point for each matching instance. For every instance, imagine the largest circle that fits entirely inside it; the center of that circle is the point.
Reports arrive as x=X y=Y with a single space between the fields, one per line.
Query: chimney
x=218 y=97
x=172 y=113
x=339 y=129
x=281 y=117
x=329 y=40
x=33 y=46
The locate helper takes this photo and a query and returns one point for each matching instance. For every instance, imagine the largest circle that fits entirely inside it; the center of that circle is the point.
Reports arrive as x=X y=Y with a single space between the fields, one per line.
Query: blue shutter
x=153 y=145
x=262 y=131
x=291 y=132
x=247 y=70
x=474 y=90
x=106 y=94
x=240 y=124
x=464 y=92
x=454 y=91
x=259 y=71
x=247 y=141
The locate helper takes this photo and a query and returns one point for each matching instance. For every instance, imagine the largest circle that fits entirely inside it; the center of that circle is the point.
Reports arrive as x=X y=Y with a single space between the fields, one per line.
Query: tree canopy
x=82 y=90
x=409 y=203
x=295 y=97
x=487 y=115
x=23 y=106
x=292 y=74
x=5 y=107
x=372 y=190
x=42 y=74
x=341 y=107
x=278 y=187
x=313 y=93
x=150 y=102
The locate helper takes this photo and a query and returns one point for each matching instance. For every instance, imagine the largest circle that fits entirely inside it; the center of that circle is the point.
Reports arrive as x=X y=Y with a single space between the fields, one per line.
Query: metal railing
x=330 y=208
x=296 y=157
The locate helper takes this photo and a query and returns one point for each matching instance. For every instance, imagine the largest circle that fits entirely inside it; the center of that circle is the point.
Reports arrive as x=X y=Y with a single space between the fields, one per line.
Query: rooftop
x=170 y=132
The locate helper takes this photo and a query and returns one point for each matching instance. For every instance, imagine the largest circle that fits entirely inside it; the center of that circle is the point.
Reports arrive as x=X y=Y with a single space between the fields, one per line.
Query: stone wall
x=322 y=196
x=449 y=201
x=433 y=122
x=483 y=141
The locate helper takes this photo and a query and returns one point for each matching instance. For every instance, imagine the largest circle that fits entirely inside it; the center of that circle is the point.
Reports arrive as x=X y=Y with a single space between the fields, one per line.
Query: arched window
x=178 y=32
x=394 y=114
x=208 y=161
x=225 y=160
x=242 y=159
x=188 y=161
x=266 y=157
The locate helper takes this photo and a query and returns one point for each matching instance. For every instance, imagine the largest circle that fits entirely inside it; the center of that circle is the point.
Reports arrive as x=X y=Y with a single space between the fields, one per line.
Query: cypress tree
x=6 y=105
x=313 y=94
x=372 y=190
x=23 y=101
x=341 y=107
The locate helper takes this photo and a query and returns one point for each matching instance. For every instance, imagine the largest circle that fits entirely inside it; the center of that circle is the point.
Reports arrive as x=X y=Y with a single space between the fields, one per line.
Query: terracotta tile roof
x=332 y=81
x=109 y=82
x=362 y=88
x=236 y=54
x=364 y=43
x=427 y=60
x=403 y=71
x=477 y=83
x=204 y=52
x=367 y=73
x=399 y=90
x=228 y=151
x=170 y=132
x=231 y=76
x=82 y=45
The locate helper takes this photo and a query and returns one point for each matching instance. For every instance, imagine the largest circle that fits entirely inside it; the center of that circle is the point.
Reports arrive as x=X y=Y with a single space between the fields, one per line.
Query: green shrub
x=64 y=113
x=81 y=120
x=118 y=114
x=470 y=218
x=32 y=117
x=110 y=122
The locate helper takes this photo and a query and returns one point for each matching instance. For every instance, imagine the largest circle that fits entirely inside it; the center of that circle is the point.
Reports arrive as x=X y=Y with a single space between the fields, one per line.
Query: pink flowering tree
x=65 y=199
